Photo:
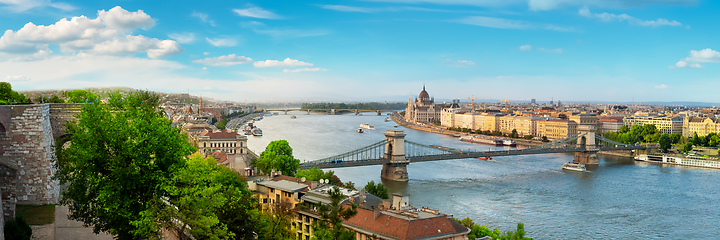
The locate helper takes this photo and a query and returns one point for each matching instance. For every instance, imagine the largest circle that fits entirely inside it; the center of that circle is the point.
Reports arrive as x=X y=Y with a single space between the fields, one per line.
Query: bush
x=17 y=229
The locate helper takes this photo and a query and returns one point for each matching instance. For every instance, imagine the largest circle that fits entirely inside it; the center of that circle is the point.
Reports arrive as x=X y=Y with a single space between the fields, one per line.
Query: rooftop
x=283 y=185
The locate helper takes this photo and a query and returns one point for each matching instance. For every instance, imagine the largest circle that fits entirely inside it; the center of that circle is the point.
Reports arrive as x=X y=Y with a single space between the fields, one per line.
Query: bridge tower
x=589 y=156
x=396 y=169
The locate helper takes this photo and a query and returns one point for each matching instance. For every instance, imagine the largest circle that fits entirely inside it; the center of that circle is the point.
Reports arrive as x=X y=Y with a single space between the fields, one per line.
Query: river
x=619 y=199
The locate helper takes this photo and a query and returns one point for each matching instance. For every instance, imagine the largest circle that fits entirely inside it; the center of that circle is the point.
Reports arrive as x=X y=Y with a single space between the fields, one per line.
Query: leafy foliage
x=665 y=142
x=710 y=140
x=53 y=99
x=329 y=227
x=641 y=133
x=687 y=147
x=314 y=174
x=378 y=190
x=277 y=155
x=478 y=231
x=8 y=96
x=80 y=96
x=206 y=199
x=277 y=225
x=120 y=156
x=17 y=229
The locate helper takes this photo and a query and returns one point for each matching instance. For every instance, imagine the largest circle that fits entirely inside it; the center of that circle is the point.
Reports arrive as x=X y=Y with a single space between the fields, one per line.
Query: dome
x=424 y=94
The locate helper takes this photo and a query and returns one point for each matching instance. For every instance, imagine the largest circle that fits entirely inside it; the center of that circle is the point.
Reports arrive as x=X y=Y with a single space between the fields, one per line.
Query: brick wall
x=28 y=145
x=8 y=198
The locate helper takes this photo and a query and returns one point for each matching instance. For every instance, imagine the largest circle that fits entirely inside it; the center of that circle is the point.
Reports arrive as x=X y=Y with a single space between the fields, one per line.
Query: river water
x=620 y=199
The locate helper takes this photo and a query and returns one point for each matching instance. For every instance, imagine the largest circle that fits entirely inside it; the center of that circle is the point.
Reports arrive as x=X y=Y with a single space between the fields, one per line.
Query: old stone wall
x=8 y=198
x=29 y=147
x=60 y=113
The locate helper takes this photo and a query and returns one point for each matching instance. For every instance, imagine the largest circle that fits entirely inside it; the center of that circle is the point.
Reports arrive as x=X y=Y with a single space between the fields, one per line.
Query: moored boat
x=256 y=132
x=359 y=130
x=474 y=139
x=580 y=167
x=367 y=126
x=293 y=117
x=484 y=158
x=508 y=142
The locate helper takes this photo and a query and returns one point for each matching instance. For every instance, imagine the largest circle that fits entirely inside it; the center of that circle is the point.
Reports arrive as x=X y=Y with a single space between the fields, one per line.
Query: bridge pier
x=378 y=113
x=394 y=172
x=396 y=169
x=588 y=158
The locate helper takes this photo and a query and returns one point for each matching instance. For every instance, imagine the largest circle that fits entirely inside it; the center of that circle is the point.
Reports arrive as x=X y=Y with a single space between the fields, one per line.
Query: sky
x=369 y=50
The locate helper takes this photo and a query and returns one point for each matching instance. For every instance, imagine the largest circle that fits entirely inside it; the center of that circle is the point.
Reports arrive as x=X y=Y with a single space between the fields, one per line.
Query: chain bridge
x=395 y=153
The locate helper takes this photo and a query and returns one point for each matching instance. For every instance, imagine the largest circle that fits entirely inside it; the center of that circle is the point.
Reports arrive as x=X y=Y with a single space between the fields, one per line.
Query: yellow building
x=556 y=128
x=492 y=122
x=665 y=124
x=700 y=125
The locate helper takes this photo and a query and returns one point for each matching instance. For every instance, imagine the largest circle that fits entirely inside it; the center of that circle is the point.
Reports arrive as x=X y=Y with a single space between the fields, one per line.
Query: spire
x=423 y=87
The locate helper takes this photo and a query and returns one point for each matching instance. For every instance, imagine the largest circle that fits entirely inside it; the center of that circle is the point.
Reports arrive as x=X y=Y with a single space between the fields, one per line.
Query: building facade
x=700 y=125
x=423 y=109
x=665 y=124
x=556 y=128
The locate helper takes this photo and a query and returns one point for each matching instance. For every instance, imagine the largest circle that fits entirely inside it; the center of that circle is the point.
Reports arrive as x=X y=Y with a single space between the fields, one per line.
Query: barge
x=693 y=161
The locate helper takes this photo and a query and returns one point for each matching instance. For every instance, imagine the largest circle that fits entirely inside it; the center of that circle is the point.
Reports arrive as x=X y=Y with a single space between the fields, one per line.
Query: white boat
x=359 y=130
x=256 y=132
x=367 y=126
x=508 y=142
x=387 y=119
x=580 y=167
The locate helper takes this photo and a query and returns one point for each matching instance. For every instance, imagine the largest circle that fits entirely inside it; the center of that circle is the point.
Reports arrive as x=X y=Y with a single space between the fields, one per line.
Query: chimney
x=376 y=211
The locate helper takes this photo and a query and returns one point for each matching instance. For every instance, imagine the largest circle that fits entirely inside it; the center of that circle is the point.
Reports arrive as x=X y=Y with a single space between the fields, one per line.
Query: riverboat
x=387 y=119
x=359 y=130
x=484 y=158
x=474 y=139
x=508 y=142
x=256 y=132
x=580 y=167
x=693 y=161
x=367 y=126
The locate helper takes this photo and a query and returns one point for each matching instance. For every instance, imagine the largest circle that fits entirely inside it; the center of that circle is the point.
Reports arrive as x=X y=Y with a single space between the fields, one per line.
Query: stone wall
x=28 y=145
x=8 y=197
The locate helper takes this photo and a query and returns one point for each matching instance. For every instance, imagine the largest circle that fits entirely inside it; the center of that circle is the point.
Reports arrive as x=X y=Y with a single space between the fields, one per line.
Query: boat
x=256 y=132
x=474 y=139
x=293 y=117
x=508 y=142
x=359 y=130
x=276 y=114
x=367 y=126
x=269 y=115
x=580 y=167
x=387 y=119
x=484 y=158
x=683 y=160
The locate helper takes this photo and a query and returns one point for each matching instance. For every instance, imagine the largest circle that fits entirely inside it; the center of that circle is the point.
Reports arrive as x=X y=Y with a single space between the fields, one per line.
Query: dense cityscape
x=359 y=120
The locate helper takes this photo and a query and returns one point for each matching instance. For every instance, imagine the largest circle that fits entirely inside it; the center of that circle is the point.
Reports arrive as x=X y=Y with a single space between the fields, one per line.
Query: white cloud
x=683 y=64
x=119 y=18
x=608 y=17
x=183 y=37
x=222 y=42
x=203 y=17
x=526 y=47
x=284 y=63
x=544 y=5
x=558 y=50
x=705 y=55
x=464 y=63
x=227 y=60
x=661 y=86
x=342 y=8
x=106 y=34
x=304 y=70
x=256 y=12
x=16 y=78
x=502 y=23
x=206 y=53
x=24 y=5
x=204 y=68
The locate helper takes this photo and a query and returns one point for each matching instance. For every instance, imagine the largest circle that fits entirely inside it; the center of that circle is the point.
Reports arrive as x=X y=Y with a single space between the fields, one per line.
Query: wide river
x=620 y=199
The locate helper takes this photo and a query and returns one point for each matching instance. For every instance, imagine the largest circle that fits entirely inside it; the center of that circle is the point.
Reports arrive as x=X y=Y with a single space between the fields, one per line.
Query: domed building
x=423 y=109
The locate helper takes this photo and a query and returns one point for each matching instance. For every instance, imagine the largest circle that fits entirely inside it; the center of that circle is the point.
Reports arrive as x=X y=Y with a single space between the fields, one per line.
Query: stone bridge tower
x=588 y=142
x=396 y=169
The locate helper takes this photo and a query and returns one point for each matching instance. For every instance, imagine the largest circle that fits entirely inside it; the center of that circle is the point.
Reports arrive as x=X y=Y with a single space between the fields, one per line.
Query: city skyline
x=607 y=51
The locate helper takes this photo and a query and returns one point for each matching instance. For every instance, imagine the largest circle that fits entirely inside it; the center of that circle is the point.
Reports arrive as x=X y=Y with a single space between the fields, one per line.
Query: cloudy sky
x=369 y=50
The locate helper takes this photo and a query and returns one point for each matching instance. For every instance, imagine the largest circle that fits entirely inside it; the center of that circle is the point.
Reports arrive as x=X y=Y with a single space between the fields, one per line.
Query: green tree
x=8 y=96
x=80 y=96
x=696 y=139
x=665 y=142
x=687 y=148
x=378 y=190
x=277 y=155
x=199 y=196
x=222 y=123
x=514 y=134
x=330 y=227
x=314 y=174
x=121 y=154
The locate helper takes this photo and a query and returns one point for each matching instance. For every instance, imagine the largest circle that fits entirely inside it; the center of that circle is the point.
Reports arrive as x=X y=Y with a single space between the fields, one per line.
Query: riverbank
x=437 y=129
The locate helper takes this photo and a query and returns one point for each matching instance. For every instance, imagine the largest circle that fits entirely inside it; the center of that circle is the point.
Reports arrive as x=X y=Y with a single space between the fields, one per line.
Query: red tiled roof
x=402 y=228
x=220 y=134
x=220 y=157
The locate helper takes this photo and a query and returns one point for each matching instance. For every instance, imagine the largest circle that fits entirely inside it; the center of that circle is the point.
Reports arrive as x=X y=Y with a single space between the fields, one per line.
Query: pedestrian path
x=66 y=229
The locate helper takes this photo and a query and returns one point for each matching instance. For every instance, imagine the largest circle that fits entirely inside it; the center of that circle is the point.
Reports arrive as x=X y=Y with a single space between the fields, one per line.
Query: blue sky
x=376 y=50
